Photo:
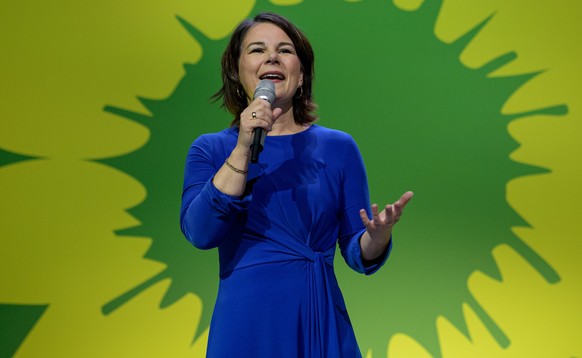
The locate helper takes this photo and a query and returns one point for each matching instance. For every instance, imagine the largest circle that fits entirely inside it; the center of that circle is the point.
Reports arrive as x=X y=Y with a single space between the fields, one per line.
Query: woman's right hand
x=264 y=118
x=231 y=178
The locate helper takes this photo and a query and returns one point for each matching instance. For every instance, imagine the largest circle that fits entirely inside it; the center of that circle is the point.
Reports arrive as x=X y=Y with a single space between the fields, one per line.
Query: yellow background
x=59 y=213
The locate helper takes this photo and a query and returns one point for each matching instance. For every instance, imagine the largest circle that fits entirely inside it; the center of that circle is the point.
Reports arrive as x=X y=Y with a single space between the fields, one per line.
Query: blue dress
x=278 y=295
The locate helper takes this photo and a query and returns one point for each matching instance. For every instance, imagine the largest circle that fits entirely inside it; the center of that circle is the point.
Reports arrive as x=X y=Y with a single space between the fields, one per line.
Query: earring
x=300 y=92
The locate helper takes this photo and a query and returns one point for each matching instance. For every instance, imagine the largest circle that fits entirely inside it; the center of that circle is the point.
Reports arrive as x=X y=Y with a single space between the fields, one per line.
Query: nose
x=272 y=57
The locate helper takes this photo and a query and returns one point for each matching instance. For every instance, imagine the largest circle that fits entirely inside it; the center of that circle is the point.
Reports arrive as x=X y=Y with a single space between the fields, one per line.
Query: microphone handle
x=257 y=144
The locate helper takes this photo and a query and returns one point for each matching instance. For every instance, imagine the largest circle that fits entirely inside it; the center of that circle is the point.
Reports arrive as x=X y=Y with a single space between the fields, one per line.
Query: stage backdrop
x=475 y=105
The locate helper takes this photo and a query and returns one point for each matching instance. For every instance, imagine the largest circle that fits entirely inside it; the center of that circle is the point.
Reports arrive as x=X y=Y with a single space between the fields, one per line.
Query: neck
x=285 y=124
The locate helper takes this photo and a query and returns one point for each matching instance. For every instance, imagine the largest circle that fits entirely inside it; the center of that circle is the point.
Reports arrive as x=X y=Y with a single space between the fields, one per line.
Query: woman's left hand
x=385 y=220
x=379 y=229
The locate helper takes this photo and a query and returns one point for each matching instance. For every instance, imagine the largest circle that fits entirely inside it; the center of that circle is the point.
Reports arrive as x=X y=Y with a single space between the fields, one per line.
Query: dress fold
x=278 y=294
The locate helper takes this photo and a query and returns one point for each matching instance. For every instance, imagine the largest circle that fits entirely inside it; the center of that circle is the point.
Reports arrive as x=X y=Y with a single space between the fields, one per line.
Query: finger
x=405 y=198
x=365 y=220
x=374 y=208
x=260 y=103
x=276 y=113
x=400 y=204
x=375 y=214
x=261 y=107
x=397 y=208
x=389 y=210
x=259 y=118
x=364 y=216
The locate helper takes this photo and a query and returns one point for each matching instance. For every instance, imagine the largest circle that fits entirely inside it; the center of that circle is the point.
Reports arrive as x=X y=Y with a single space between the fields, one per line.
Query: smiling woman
x=90 y=251
x=276 y=222
x=268 y=53
x=248 y=43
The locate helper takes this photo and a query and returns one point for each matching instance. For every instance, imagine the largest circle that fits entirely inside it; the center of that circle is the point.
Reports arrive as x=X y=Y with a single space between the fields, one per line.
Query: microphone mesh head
x=265 y=90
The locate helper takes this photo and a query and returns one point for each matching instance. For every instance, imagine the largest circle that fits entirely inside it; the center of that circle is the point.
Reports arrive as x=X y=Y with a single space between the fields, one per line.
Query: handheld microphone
x=265 y=90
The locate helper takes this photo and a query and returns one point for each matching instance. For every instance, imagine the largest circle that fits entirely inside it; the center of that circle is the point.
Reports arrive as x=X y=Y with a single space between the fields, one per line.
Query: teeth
x=272 y=76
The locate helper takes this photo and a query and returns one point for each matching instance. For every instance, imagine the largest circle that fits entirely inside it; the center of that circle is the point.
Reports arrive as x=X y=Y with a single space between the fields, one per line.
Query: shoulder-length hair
x=233 y=95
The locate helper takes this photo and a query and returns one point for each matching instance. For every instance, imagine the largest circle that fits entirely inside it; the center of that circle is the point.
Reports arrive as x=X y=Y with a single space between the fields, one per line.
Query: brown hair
x=232 y=92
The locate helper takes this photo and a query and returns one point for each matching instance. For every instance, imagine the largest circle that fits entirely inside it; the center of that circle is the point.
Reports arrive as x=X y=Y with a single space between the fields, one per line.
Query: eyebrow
x=263 y=44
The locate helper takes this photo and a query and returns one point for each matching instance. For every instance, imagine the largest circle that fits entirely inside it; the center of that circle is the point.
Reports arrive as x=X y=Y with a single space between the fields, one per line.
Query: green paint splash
x=16 y=322
x=159 y=165
x=7 y=158
x=423 y=122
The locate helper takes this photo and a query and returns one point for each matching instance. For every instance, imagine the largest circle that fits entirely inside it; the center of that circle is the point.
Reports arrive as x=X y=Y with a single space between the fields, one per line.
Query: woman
x=276 y=223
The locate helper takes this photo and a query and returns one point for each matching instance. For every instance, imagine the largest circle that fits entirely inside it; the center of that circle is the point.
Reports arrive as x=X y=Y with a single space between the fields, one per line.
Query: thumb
x=276 y=113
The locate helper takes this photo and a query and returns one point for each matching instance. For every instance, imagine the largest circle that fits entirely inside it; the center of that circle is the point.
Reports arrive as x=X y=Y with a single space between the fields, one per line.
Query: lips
x=273 y=75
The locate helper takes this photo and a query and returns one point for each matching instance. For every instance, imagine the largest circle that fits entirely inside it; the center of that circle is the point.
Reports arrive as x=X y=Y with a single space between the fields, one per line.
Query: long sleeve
x=207 y=215
x=355 y=196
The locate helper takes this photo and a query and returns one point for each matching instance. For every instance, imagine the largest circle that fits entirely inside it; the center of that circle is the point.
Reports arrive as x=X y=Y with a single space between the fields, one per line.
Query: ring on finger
x=254 y=114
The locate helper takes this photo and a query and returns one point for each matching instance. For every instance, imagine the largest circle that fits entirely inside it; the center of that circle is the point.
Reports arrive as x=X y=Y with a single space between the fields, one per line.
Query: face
x=267 y=52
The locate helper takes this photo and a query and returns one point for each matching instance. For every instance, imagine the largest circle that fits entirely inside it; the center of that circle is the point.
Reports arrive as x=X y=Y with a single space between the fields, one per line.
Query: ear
x=301 y=78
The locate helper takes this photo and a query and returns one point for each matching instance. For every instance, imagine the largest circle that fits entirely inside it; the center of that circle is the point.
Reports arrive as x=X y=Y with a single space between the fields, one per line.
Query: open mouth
x=272 y=76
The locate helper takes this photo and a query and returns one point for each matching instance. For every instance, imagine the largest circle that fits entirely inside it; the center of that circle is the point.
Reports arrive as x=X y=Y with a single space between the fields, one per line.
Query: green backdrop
x=472 y=104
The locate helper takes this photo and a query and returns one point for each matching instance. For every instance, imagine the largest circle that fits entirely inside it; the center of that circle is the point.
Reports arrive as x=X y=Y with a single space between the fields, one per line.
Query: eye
x=286 y=50
x=257 y=50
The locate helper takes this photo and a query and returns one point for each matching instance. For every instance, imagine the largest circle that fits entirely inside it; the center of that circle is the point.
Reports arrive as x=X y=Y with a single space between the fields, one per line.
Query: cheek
x=244 y=67
x=247 y=71
x=243 y=75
